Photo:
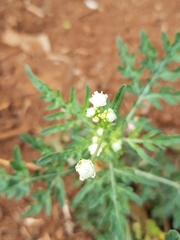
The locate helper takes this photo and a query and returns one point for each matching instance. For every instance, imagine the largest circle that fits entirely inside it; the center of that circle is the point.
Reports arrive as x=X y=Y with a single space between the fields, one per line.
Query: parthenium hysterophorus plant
x=99 y=136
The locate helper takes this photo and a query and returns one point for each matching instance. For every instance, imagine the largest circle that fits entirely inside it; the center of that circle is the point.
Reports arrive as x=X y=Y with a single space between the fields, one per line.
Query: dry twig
x=29 y=165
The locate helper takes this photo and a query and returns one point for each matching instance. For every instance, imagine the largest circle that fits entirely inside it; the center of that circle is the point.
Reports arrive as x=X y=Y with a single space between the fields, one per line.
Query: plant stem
x=114 y=196
x=144 y=92
x=97 y=149
x=156 y=178
x=152 y=177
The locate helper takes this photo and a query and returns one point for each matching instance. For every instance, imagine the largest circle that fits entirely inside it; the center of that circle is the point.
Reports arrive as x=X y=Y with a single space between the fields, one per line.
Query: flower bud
x=116 y=146
x=86 y=169
x=95 y=119
x=111 y=116
x=95 y=139
x=100 y=131
x=90 y=112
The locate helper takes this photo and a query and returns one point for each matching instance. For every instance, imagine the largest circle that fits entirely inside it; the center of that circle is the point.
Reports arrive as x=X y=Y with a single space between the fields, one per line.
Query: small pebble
x=158 y=6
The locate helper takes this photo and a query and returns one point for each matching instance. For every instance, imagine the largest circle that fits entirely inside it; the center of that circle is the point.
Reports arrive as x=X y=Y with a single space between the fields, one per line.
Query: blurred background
x=67 y=43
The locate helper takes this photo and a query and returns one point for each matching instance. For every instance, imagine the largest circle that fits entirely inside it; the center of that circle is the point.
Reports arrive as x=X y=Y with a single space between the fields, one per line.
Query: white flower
x=90 y=112
x=95 y=119
x=95 y=139
x=100 y=131
x=98 y=99
x=111 y=116
x=92 y=148
x=116 y=146
x=86 y=169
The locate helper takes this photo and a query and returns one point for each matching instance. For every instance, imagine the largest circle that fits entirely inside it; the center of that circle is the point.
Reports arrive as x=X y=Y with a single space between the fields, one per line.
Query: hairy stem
x=152 y=177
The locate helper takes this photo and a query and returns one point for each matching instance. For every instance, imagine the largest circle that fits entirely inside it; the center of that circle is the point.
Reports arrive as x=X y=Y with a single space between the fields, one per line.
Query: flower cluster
x=96 y=112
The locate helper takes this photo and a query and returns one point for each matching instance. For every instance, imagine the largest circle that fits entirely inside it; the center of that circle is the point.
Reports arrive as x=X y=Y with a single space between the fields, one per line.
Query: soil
x=81 y=50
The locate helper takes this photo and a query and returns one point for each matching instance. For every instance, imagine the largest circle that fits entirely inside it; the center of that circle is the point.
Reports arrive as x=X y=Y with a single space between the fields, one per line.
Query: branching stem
x=152 y=177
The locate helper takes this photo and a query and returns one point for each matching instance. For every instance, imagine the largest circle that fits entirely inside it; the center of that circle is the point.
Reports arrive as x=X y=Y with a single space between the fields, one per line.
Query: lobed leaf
x=42 y=87
x=143 y=154
x=58 y=156
x=36 y=143
x=146 y=48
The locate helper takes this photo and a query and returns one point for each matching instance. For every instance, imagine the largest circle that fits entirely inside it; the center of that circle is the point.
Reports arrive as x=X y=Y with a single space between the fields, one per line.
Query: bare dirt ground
x=67 y=44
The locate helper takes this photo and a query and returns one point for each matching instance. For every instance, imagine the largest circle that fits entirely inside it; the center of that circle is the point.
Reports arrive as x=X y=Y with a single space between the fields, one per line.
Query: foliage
x=102 y=203
x=172 y=235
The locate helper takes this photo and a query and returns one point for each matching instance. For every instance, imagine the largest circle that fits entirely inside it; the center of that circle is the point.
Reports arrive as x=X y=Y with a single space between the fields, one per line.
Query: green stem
x=97 y=149
x=152 y=177
x=114 y=196
x=156 y=178
x=138 y=140
x=144 y=92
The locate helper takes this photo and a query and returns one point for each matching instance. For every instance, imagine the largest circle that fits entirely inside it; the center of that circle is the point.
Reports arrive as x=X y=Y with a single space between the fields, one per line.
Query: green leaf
x=72 y=95
x=150 y=134
x=129 y=192
x=18 y=164
x=126 y=58
x=36 y=143
x=58 y=156
x=47 y=202
x=165 y=94
x=33 y=210
x=131 y=175
x=87 y=96
x=139 y=126
x=59 y=127
x=56 y=116
x=170 y=75
x=43 y=88
x=150 y=147
x=165 y=140
x=165 y=42
x=146 y=48
x=81 y=194
x=115 y=105
x=142 y=154
x=172 y=235
x=60 y=191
